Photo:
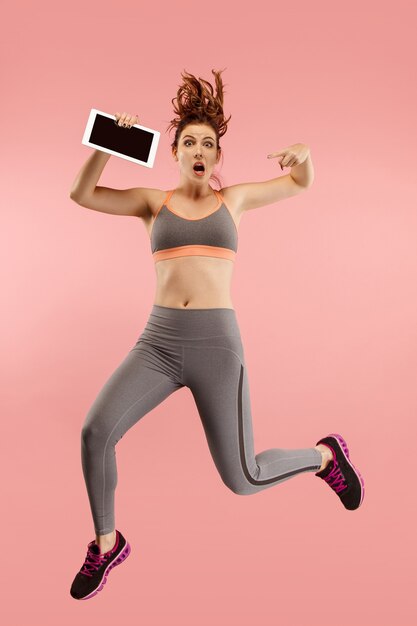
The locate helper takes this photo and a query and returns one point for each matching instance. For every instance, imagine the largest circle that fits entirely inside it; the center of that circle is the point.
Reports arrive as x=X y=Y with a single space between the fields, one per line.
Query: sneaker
x=93 y=575
x=340 y=473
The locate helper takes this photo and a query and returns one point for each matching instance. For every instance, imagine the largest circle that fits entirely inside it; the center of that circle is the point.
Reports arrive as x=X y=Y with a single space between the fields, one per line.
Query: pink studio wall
x=324 y=289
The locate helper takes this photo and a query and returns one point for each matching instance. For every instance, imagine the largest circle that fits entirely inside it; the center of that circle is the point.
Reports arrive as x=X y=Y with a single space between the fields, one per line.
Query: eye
x=187 y=141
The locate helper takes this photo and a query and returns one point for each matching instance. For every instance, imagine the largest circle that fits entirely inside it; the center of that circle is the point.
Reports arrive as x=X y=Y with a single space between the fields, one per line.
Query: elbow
x=309 y=184
x=75 y=193
x=75 y=197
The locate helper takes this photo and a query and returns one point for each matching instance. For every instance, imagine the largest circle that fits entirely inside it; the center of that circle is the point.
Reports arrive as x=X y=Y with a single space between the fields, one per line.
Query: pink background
x=324 y=289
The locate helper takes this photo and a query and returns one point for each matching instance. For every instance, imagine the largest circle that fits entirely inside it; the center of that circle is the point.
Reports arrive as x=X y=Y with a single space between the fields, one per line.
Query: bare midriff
x=193 y=282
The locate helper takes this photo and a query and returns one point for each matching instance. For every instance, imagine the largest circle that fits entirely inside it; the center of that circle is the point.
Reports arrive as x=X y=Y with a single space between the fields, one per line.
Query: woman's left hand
x=293 y=155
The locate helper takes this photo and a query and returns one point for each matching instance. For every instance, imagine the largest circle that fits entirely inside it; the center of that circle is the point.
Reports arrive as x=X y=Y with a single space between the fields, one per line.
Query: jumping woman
x=192 y=338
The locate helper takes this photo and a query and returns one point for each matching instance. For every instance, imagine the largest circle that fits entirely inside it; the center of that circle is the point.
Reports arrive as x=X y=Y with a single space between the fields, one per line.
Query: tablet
x=137 y=144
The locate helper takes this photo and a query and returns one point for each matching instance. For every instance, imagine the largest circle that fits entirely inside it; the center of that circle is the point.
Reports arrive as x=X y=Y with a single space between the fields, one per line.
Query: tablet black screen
x=132 y=142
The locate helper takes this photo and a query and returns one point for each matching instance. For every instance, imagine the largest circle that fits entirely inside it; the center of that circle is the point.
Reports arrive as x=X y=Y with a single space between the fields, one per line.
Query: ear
x=219 y=151
x=174 y=153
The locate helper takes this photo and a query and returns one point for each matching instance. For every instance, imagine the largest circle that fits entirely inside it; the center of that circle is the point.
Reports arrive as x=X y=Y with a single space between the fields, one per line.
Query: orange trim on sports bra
x=164 y=202
x=194 y=250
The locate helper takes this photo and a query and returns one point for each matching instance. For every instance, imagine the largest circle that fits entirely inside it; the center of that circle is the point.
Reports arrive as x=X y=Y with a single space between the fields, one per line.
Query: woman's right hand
x=126 y=120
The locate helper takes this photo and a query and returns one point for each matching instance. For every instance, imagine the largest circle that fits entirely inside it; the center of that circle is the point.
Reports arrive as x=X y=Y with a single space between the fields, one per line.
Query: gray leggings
x=200 y=349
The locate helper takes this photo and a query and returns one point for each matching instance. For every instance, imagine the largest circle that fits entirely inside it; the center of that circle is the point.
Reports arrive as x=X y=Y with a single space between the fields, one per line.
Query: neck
x=194 y=190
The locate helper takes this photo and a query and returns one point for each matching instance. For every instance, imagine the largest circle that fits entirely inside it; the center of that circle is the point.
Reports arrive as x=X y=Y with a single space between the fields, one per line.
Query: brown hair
x=197 y=103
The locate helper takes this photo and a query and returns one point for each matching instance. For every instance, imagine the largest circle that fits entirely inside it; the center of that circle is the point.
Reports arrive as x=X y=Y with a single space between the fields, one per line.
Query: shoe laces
x=335 y=478
x=92 y=562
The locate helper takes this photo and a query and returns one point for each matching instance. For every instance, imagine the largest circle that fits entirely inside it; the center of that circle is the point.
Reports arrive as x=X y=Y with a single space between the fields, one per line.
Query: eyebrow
x=194 y=137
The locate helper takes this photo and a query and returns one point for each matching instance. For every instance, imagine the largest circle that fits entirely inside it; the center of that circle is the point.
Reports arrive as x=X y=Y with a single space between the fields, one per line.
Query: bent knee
x=240 y=488
x=93 y=434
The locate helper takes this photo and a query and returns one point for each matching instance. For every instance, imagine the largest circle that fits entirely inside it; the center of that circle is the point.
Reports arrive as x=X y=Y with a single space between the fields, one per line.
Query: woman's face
x=197 y=142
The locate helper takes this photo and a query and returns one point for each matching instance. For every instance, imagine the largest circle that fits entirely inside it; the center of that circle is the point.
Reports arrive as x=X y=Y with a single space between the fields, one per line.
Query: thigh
x=217 y=378
x=138 y=385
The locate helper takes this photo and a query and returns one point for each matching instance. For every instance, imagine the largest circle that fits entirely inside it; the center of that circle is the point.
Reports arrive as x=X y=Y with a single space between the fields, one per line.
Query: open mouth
x=199 y=169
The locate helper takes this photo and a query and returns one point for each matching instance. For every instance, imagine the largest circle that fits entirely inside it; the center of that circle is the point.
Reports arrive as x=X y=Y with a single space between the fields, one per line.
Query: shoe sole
x=345 y=451
x=122 y=556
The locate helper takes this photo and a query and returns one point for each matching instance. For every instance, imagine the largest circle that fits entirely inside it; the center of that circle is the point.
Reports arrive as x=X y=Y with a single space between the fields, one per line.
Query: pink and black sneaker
x=340 y=473
x=93 y=575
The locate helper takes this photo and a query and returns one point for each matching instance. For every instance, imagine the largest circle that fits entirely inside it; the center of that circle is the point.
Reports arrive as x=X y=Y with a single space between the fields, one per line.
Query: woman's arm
x=87 y=193
x=247 y=196
x=303 y=173
x=86 y=180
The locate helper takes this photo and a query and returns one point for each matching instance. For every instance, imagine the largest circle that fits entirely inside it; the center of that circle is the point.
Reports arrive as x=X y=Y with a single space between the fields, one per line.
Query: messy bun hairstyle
x=196 y=103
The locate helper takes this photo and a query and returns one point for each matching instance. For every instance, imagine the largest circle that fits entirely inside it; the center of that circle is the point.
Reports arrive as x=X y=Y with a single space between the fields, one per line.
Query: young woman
x=192 y=336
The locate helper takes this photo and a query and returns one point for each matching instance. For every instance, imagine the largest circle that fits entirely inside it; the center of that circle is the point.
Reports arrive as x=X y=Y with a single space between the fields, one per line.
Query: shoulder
x=232 y=196
x=155 y=199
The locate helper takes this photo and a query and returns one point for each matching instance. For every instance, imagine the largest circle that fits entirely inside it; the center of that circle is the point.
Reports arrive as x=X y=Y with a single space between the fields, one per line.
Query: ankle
x=106 y=542
x=326 y=455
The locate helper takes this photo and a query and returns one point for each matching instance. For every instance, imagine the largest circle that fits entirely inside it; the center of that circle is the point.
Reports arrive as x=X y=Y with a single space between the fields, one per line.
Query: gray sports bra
x=174 y=236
